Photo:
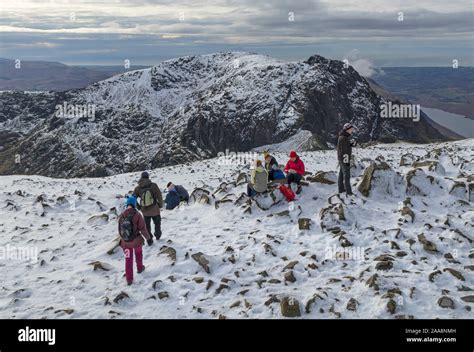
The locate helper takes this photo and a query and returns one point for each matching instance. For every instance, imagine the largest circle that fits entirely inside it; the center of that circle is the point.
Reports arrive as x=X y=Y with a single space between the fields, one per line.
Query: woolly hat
x=131 y=200
x=347 y=126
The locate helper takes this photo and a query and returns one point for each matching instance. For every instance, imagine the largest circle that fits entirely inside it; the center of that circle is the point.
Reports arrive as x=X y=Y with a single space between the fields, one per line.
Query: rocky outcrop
x=290 y=307
x=378 y=175
x=202 y=261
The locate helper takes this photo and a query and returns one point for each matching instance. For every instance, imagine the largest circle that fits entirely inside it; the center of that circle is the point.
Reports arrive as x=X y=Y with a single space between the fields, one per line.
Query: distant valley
x=443 y=88
x=52 y=76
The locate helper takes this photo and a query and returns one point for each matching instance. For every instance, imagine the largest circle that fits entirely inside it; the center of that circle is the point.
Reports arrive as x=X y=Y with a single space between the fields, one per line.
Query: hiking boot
x=142 y=270
x=158 y=236
x=349 y=194
x=299 y=189
x=129 y=282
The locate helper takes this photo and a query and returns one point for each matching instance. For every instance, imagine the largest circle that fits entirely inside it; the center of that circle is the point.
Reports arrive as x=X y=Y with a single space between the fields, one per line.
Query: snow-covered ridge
x=301 y=141
x=175 y=83
x=258 y=255
x=192 y=108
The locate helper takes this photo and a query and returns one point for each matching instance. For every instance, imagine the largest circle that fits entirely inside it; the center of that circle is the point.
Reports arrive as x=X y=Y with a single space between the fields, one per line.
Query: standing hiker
x=344 y=153
x=258 y=180
x=176 y=194
x=295 y=170
x=131 y=229
x=151 y=201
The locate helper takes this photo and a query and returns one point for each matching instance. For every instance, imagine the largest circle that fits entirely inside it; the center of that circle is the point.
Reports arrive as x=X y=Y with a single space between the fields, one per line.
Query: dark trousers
x=293 y=177
x=270 y=174
x=250 y=191
x=344 y=180
x=157 y=222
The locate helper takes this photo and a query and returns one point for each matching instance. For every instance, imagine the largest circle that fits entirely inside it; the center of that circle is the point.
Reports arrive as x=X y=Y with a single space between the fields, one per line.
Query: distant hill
x=52 y=76
x=443 y=88
x=390 y=96
x=193 y=108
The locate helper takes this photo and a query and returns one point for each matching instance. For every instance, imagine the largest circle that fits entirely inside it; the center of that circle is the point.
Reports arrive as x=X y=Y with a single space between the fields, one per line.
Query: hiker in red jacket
x=295 y=170
x=131 y=229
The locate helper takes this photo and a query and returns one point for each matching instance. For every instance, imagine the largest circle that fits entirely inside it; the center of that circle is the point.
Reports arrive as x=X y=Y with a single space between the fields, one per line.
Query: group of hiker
x=133 y=227
x=271 y=172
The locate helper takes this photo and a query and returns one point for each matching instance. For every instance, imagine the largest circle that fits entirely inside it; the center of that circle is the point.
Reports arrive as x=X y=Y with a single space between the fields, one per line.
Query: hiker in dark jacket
x=344 y=153
x=271 y=165
x=151 y=201
x=176 y=194
x=134 y=245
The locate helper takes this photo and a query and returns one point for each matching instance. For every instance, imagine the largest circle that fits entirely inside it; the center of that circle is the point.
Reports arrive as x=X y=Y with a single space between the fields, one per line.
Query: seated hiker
x=176 y=194
x=270 y=164
x=295 y=170
x=258 y=180
x=151 y=201
x=131 y=229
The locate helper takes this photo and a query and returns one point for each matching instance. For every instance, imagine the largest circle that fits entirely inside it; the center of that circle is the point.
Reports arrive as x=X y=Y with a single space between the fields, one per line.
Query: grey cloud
x=432 y=32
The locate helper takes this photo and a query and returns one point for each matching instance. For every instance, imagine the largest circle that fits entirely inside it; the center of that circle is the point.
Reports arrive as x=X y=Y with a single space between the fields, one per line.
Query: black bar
x=364 y=335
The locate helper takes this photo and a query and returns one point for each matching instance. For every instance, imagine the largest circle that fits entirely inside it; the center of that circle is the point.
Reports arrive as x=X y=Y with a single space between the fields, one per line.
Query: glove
x=149 y=242
x=139 y=206
x=353 y=142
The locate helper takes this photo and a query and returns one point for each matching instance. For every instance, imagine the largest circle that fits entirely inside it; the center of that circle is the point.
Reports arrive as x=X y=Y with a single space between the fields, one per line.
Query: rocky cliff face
x=191 y=108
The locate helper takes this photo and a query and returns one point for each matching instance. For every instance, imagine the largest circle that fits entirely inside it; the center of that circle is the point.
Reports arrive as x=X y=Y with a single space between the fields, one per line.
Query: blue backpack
x=278 y=175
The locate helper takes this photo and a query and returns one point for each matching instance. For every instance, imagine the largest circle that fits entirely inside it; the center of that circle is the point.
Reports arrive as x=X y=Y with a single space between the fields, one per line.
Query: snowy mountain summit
x=402 y=247
x=191 y=108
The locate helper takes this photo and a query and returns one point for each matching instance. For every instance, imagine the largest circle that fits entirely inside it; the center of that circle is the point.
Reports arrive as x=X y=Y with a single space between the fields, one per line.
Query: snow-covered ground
x=257 y=254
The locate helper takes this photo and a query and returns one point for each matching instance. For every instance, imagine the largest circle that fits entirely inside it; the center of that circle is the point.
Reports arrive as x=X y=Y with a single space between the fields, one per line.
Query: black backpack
x=126 y=229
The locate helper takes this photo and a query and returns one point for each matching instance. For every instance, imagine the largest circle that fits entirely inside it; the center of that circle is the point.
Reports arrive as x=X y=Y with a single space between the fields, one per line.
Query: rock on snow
x=402 y=247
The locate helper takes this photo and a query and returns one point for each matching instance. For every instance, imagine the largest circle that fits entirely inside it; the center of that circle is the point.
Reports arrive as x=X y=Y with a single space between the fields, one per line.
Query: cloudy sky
x=372 y=32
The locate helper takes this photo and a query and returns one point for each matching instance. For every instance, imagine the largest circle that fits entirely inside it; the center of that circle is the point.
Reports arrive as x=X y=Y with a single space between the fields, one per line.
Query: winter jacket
x=183 y=194
x=259 y=179
x=172 y=199
x=175 y=196
x=153 y=210
x=344 y=148
x=296 y=165
x=272 y=164
x=139 y=228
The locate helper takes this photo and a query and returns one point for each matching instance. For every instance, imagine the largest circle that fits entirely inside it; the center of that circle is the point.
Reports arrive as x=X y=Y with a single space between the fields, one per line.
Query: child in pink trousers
x=132 y=229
